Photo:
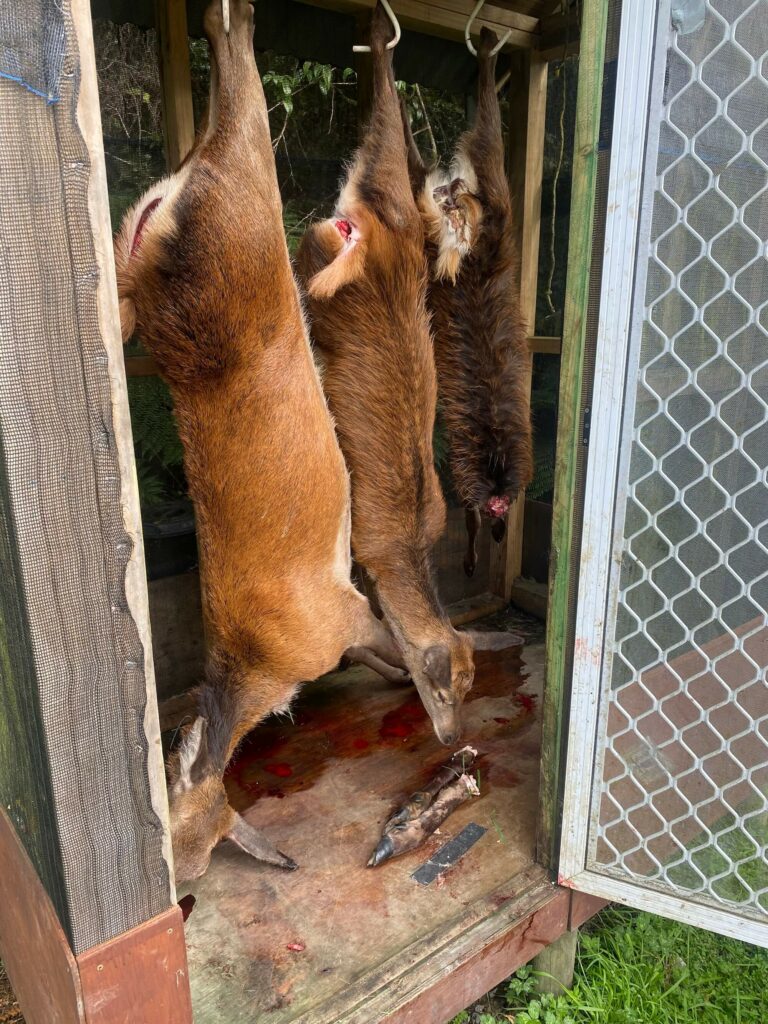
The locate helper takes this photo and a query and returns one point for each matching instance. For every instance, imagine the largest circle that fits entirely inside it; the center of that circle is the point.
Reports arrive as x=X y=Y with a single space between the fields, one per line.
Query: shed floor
x=321 y=786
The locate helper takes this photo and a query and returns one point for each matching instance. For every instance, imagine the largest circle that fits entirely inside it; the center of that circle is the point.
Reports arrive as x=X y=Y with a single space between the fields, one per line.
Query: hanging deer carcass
x=204 y=276
x=364 y=272
x=481 y=349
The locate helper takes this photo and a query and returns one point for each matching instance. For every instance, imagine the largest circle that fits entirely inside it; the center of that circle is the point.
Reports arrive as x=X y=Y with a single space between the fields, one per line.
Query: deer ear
x=192 y=753
x=257 y=845
x=437 y=665
x=342 y=261
x=493 y=641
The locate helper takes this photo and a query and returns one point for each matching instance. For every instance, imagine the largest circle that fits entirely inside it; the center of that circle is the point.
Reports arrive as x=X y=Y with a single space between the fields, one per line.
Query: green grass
x=640 y=969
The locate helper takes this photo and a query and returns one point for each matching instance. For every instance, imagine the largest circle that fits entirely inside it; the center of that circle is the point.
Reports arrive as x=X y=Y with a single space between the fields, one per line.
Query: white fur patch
x=461 y=167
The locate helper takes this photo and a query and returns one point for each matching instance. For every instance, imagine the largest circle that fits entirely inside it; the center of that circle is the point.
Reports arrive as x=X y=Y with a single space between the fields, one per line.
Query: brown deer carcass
x=204 y=276
x=481 y=349
x=364 y=272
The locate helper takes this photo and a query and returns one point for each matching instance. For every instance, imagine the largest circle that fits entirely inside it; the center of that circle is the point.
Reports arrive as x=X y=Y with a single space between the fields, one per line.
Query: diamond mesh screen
x=683 y=773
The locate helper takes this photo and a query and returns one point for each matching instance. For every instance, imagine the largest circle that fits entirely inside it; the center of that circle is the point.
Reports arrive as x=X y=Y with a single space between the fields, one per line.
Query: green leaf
x=288 y=105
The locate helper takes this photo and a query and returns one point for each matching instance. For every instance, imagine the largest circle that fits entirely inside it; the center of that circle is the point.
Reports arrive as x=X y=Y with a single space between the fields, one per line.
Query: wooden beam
x=559 y=36
x=472 y=967
x=545 y=346
x=569 y=425
x=527 y=118
x=139 y=976
x=448 y=18
x=530 y=596
x=82 y=700
x=556 y=963
x=141 y=366
x=175 y=80
x=33 y=946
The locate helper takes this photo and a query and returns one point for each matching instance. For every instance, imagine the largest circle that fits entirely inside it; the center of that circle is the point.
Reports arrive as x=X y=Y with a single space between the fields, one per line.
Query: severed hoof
x=383 y=851
x=498 y=530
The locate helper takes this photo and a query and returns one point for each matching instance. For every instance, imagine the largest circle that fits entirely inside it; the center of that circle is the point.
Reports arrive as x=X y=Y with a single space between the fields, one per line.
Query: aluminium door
x=666 y=802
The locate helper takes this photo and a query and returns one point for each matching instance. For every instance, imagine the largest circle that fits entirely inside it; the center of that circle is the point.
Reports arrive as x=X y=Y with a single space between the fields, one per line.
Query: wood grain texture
x=584 y=177
x=584 y=907
x=556 y=963
x=25 y=783
x=31 y=936
x=447 y=18
x=321 y=785
x=89 y=122
x=175 y=79
x=139 y=976
x=68 y=488
x=463 y=980
x=527 y=117
x=545 y=346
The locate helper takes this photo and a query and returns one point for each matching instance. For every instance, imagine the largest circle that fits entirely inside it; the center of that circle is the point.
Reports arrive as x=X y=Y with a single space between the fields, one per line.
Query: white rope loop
x=395 y=25
x=468 y=28
x=225 y=14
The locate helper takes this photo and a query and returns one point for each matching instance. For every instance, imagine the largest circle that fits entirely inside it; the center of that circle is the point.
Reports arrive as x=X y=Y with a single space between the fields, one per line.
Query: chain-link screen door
x=666 y=801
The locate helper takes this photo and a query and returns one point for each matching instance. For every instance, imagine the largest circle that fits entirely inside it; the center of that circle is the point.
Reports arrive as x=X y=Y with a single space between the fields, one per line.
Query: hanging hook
x=225 y=14
x=467 y=38
x=395 y=25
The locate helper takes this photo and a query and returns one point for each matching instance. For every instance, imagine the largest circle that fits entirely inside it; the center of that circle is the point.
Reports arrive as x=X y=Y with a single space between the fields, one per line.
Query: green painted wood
x=585 y=165
x=25 y=783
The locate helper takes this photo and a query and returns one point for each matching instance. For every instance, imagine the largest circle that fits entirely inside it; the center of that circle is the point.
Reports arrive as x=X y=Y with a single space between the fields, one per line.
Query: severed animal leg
x=419 y=801
x=377 y=648
x=365 y=656
x=472 y=519
x=498 y=530
x=412 y=834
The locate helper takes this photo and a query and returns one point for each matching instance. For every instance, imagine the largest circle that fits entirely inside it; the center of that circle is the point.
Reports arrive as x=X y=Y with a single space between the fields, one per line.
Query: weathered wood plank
x=585 y=162
x=556 y=963
x=459 y=979
x=140 y=975
x=527 y=117
x=175 y=79
x=33 y=946
x=530 y=596
x=141 y=366
x=71 y=497
x=321 y=784
x=545 y=346
x=448 y=18
x=584 y=907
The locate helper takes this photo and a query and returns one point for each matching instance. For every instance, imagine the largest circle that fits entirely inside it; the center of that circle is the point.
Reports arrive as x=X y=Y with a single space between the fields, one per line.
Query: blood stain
x=282 y=770
x=502 y=721
x=295 y=947
x=526 y=700
x=360 y=744
x=187 y=904
x=403 y=721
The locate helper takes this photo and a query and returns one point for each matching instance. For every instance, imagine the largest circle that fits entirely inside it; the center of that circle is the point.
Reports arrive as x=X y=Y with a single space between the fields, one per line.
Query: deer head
x=201 y=815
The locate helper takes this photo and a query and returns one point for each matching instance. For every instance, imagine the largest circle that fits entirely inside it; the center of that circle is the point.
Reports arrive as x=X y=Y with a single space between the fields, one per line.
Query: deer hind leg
x=237 y=103
x=472 y=519
x=376 y=647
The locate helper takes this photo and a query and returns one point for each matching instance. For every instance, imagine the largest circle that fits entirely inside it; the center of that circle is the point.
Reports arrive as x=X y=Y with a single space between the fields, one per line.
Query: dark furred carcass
x=481 y=350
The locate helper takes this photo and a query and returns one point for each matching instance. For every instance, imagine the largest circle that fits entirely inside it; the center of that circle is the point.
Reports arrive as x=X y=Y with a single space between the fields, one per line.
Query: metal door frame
x=645 y=34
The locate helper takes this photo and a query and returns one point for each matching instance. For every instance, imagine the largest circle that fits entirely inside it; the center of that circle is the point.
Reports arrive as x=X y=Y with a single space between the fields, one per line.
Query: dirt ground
x=9 y=1008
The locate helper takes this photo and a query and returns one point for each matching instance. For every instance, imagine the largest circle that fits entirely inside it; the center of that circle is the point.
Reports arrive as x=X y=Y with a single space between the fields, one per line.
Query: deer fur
x=364 y=272
x=481 y=349
x=204 y=277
